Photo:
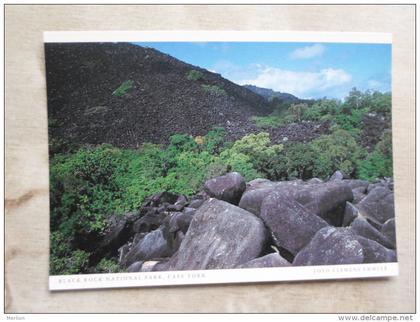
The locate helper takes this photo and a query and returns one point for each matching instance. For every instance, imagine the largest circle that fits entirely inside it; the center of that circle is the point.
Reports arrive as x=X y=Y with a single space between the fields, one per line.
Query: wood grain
x=27 y=213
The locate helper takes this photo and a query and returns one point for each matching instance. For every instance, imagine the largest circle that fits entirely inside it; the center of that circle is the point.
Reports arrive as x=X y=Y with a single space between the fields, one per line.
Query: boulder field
x=234 y=224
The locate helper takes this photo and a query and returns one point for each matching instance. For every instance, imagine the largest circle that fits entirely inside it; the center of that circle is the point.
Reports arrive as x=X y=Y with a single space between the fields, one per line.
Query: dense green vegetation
x=95 y=182
x=342 y=149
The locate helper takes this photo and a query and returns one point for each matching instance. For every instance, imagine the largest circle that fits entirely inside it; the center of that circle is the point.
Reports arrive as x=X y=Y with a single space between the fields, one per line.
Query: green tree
x=378 y=163
x=298 y=110
x=337 y=151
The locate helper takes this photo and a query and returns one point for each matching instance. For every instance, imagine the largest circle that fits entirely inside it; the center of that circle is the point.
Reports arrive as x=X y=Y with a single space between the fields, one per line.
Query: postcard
x=206 y=157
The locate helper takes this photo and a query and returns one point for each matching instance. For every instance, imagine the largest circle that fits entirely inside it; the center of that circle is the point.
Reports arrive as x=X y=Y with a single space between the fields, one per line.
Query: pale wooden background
x=27 y=216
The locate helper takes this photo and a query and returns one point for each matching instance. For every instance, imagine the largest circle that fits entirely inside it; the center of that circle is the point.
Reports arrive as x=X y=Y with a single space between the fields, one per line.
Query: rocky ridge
x=126 y=95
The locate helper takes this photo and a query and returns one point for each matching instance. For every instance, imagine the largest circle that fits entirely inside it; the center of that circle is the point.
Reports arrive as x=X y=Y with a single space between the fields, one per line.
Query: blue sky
x=307 y=70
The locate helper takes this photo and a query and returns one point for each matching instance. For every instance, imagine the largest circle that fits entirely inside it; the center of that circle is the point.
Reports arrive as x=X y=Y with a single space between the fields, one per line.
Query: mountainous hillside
x=268 y=94
x=124 y=94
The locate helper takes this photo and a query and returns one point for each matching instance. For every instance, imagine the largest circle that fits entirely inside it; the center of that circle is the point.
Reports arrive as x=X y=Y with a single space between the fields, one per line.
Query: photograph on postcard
x=245 y=155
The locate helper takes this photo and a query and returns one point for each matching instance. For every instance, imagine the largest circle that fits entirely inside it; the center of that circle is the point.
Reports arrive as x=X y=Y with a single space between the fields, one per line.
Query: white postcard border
x=216 y=36
x=222 y=276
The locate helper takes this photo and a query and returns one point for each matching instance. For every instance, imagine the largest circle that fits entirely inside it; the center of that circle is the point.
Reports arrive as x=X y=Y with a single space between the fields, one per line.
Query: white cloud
x=303 y=84
x=308 y=52
x=374 y=84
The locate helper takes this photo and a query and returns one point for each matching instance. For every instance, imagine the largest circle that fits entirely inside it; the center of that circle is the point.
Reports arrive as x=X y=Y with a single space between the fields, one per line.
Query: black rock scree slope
x=125 y=95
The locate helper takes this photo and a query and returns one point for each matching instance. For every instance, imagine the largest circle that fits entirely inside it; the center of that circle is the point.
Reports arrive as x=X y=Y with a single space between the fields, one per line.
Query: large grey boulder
x=135 y=267
x=148 y=266
x=387 y=183
x=271 y=260
x=259 y=184
x=331 y=246
x=229 y=187
x=292 y=225
x=149 y=222
x=220 y=235
x=252 y=199
x=358 y=194
x=378 y=205
x=118 y=231
x=337 y=176
x=152 y=246
x=258 y=189
x=326 y=200
x=388 y=229
x=350 y=214
x=196 y=203
x=357 y=184
x=374 y=252
x=315 y=181
x=361 y=227
x=179 y=221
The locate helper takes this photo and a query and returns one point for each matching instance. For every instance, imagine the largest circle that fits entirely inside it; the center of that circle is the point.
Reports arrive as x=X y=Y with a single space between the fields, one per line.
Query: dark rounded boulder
x=259 y=183
x=357 y=184
x=229 y=187
x=315 y=181
x=220 y=235
x=149 y=222
x=337 y=176
x=251 y=200
x=388 y=229
x=350 y=213
x=152 y=246
x=331 y=246
x=374 y=252
x=135 y=267
x=326 y=200
x=361 y=227
x=179 y=221
x=358 y=194
x=378 y=205
x=196 y=203
x=148 y=266
x=292 y=224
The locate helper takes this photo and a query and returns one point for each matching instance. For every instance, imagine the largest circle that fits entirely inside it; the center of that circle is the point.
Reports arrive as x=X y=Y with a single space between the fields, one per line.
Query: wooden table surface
x=27 y=213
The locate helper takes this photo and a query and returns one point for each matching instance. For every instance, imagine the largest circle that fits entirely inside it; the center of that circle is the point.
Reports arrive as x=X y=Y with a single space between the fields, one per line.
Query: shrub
x=323 y=109
x=258 y=151
x=241 y=163
x=123 y=88
x=108 y=266
x=183 y=142
x=378 y=163
x=75 y=263
x=271 y=121
x=215 y=139
x=214 y=90
x=375 y=166
x=83 y=189
x=380 y=102
x=280 y=116
x=337 y=151
x=189 y=172
x=216 y=169
x=194 y=75
x=373 y=101
x=351 y=122
x=296 y=161
x=298 y=110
